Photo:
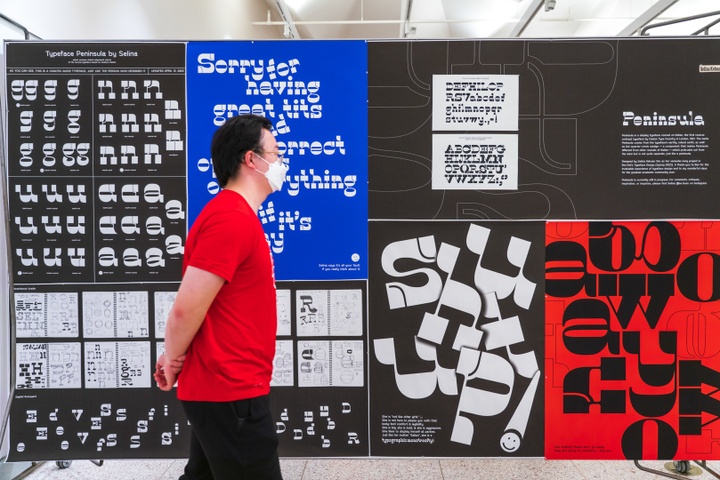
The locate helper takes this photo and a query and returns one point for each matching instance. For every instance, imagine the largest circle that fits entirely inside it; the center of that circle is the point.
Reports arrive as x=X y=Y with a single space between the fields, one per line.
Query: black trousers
x=232 y=441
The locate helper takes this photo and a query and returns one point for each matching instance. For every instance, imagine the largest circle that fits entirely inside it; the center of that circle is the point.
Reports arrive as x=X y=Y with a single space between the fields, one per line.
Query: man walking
x=220 y=333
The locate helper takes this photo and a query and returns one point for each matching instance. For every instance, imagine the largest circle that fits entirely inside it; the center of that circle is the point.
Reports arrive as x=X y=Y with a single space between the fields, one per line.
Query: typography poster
x=320 y=375
x=456 y=328
x=316 y=226
x=97 y=208
x=543 y=129
x=632 y=353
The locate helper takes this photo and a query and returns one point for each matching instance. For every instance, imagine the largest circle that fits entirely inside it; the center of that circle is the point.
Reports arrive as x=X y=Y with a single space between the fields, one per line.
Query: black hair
x=237 y=136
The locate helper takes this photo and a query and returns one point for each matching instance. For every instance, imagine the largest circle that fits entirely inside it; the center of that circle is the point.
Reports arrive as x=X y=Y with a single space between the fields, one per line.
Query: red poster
x=632 y=340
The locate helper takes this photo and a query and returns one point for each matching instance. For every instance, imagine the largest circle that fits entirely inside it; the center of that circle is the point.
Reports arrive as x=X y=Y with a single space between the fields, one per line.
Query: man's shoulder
x=226 y=205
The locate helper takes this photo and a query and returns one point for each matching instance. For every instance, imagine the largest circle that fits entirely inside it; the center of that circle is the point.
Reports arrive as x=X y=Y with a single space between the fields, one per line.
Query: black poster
x=543 y=129
x=456 y=331
x=320 y=376
x=97 y=217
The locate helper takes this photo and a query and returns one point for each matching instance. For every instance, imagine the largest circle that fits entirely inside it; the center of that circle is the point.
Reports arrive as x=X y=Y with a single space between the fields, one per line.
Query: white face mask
x=275 y=173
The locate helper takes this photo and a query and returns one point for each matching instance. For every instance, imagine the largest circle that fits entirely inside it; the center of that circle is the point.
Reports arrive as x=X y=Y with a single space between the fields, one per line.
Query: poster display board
x=317 y=225
x=97 y=219
x=477 y=239
x=456 y=328
x=320 y=376
x=605 y=128
x=632 y=352
x=597 y=136
x=104 y=182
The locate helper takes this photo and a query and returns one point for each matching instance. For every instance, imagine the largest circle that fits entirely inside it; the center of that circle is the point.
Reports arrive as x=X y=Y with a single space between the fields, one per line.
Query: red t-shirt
x=231 y=356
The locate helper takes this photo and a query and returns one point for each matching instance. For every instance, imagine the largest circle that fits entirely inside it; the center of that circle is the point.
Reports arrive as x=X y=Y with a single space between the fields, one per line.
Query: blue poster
x=315 y=93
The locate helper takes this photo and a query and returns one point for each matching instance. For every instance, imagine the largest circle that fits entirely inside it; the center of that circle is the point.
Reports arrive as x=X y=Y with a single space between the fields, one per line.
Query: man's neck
x=253 y=196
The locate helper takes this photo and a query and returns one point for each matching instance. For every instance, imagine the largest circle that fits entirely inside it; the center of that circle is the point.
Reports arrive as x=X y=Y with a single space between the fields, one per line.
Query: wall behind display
x=135 y=20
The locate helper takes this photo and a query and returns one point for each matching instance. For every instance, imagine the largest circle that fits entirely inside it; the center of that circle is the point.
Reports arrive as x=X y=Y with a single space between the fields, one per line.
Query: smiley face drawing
x=510 y=441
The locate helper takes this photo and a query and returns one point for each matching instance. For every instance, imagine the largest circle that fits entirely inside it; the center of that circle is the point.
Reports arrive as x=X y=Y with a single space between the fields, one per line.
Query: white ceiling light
x=297 y=4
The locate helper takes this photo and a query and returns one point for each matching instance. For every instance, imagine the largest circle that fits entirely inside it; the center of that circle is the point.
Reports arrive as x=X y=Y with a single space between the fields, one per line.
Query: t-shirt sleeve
x=223 y=243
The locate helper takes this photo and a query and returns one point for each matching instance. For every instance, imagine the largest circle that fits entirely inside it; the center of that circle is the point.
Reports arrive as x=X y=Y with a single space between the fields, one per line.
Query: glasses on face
x=277 y=154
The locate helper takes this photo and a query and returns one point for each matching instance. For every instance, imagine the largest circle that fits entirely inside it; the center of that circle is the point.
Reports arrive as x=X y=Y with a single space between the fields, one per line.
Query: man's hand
x=167 y=371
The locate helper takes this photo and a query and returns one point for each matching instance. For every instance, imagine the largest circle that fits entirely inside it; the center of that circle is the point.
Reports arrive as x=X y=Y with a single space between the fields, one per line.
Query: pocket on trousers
x=242 y=409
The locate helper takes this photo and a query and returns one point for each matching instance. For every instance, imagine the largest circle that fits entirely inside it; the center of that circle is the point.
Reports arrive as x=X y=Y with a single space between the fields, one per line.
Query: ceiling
x=488 y=18
x=363 y=19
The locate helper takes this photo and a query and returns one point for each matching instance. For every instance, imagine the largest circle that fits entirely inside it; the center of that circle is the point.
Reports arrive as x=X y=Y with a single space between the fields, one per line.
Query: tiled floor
x=382 y=469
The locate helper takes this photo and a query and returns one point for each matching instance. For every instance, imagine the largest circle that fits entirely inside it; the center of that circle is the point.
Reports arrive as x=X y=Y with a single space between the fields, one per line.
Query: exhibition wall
x=479 y=243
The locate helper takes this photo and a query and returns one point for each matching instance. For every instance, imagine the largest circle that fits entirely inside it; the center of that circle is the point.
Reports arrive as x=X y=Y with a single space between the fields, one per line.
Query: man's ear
x=249 y=159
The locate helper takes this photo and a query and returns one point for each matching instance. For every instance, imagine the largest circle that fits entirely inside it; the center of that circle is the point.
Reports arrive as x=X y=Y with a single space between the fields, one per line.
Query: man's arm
x=195 y=295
